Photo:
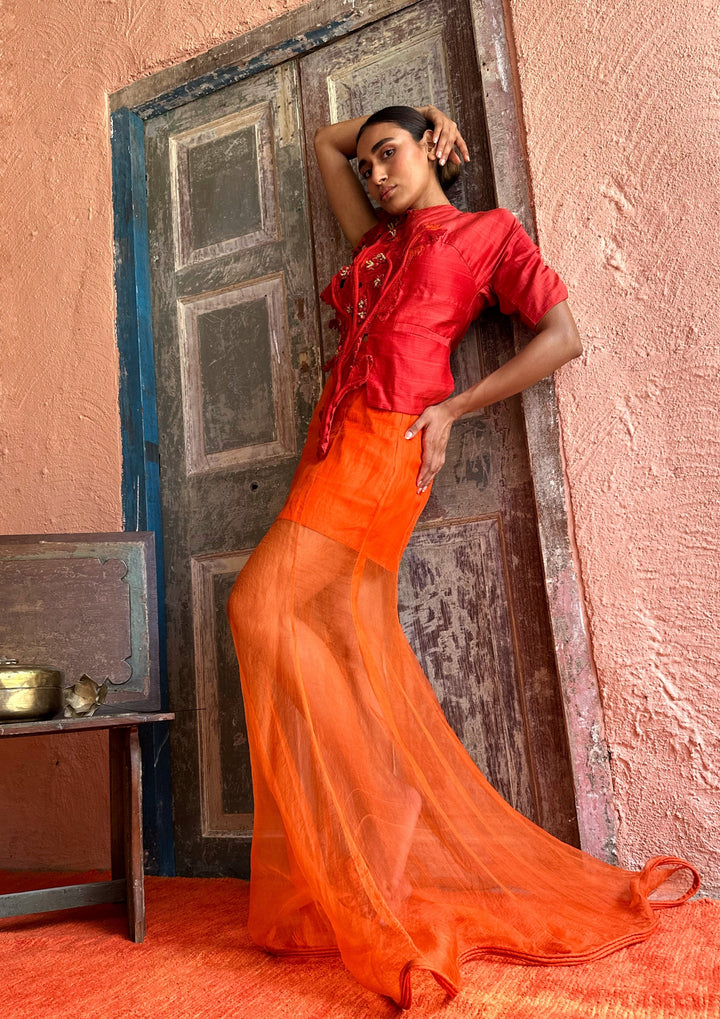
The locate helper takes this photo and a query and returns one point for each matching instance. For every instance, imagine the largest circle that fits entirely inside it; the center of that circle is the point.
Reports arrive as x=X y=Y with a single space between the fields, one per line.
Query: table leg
x=116 y=739
x=134 y=864
x=126 y=824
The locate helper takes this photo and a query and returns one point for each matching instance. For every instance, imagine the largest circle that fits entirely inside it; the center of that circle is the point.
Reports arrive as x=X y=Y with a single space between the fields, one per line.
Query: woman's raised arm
x=334 y=147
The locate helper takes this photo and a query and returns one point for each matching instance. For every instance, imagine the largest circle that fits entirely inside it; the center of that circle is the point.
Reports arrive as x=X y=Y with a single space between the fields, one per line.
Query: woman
x=375 y=834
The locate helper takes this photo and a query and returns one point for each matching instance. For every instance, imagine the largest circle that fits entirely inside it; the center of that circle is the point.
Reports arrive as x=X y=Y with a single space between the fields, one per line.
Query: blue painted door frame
x=138 y=424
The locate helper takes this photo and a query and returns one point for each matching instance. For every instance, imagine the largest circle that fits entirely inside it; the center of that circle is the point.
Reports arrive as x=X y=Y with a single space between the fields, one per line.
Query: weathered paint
x=217 y=499
x=592 y=780
x=84 y=605
x=213 y=80
x=140 y=489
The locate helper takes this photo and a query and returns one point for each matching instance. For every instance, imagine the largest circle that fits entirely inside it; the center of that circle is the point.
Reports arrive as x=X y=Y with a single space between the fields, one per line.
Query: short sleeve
x=522 y=282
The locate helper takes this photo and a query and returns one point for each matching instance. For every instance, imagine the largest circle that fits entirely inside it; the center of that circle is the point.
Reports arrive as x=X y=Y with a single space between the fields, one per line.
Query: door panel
x=212 y=160
x=472 y=597
x=235 y=352
x=454 y=608
x=237 y=377
x=226 y=801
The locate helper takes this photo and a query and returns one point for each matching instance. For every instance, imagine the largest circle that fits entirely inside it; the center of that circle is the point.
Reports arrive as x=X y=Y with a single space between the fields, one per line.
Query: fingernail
x=408 y=435
x=442 y=162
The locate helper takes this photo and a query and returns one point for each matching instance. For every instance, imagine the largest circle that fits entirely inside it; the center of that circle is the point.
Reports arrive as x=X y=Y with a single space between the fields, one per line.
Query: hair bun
x=449 y=174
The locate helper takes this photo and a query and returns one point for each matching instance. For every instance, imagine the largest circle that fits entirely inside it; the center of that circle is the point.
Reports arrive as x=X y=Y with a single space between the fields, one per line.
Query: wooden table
x=126 y=852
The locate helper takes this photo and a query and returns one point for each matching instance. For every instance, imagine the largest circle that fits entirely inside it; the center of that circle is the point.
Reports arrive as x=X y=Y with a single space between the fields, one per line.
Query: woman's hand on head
x=435 y=423
x=446 y=135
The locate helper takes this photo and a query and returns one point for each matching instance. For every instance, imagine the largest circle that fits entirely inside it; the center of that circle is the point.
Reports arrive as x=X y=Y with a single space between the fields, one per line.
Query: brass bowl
x=29 y=691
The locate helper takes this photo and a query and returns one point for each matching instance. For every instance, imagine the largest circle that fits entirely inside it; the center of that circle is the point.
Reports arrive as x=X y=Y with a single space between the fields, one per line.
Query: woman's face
x=399 y=171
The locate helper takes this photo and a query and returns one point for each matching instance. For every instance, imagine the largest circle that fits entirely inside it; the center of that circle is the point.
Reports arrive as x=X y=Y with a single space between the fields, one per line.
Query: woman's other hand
x=435 y=423
x=445 y=136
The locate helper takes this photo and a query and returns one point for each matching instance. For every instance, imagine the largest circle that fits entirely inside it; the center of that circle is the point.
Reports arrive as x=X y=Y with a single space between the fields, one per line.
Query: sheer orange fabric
x=375 y=834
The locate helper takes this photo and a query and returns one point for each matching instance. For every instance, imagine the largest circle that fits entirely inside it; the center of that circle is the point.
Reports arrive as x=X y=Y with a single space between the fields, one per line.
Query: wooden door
x=238 y=342
x=237 y=376
x=472 y=597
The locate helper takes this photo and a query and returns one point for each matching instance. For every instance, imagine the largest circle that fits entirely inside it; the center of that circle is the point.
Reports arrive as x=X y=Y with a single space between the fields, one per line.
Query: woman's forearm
x=556 y=342
x=545 y=353
x=340 y=137
x=334 y=146
x=542 y=356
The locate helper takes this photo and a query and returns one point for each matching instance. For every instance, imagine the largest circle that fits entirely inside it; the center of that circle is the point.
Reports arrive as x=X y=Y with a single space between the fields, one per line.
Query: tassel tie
x=357 y=376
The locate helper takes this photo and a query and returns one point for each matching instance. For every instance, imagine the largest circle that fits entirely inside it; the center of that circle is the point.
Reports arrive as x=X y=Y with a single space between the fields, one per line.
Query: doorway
x=234 y=210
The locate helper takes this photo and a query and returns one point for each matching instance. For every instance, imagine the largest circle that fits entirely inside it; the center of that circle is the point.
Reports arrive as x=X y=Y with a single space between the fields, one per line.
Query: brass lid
x=24 y=677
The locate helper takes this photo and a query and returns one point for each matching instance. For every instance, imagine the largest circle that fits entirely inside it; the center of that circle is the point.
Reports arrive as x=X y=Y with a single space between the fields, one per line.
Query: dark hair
x=415 y=124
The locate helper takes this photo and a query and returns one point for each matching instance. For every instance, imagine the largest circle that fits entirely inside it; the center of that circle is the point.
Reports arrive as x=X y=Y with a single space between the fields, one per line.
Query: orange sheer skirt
x=375 y=834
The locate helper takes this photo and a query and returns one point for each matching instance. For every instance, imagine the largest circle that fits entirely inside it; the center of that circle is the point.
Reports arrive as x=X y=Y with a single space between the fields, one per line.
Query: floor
x=197 y=962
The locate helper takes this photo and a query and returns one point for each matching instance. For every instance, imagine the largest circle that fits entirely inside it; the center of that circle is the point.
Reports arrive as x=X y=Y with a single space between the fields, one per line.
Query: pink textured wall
x=620 y=102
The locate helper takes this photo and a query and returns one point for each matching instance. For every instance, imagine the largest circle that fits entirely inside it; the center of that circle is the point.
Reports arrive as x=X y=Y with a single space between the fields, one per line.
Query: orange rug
x=197 y=962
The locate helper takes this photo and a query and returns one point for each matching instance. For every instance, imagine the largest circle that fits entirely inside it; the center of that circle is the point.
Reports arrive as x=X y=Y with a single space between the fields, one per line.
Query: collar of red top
x=439 y=213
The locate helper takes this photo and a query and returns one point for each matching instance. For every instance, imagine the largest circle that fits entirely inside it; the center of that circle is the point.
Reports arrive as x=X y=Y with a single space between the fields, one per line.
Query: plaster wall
x=621 y=107
x=621 y=104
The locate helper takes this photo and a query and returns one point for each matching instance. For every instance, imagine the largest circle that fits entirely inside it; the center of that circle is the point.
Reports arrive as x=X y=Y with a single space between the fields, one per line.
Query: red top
x=415 y=284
